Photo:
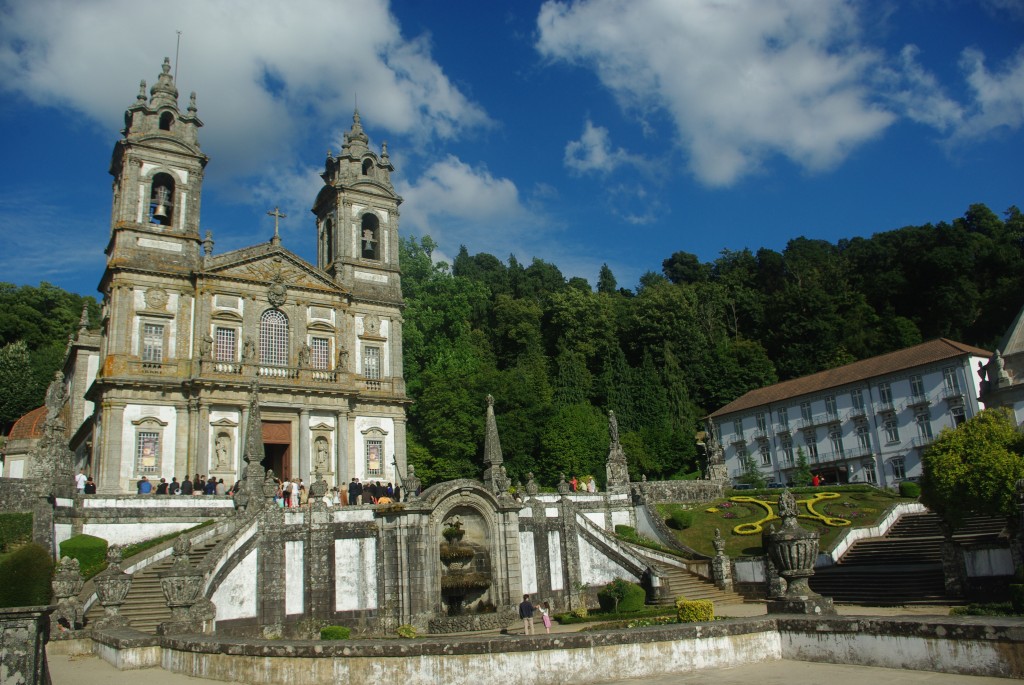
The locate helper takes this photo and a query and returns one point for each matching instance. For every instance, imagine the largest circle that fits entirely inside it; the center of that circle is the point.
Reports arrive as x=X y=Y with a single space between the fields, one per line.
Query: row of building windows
x=148 y=454
x=863 y=432
x=273 y=345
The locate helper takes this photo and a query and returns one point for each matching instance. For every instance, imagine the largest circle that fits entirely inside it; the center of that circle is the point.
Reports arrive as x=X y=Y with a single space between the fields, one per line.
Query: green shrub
x=1017 y=598
x=90 y=551
x=406 y=630
x=681 y=519
x=15 y=529
x=335 y=633
x=991 y=609
x=25 y=577
x=620 y=596
x=694 y=611
x=910 y=489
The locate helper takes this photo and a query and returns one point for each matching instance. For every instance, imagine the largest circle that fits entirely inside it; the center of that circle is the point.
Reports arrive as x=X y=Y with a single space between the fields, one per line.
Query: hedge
x=910 y=489
x=15 y=529
x=25 y=577
x=90 y=551
x=335 y=633
x=695 y=611
x=631 y=597
x=681 y=519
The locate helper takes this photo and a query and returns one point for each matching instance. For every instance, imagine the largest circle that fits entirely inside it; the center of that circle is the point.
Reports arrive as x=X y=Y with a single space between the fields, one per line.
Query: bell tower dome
x=158 y=174
x=357 y=220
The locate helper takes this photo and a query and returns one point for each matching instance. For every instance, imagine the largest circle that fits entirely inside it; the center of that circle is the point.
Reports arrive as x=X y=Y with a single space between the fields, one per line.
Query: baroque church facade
x=164 y=384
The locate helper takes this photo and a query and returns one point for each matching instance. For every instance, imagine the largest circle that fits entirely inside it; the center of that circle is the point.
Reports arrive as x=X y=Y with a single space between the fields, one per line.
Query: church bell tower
x=357 y=220
x=158 y=174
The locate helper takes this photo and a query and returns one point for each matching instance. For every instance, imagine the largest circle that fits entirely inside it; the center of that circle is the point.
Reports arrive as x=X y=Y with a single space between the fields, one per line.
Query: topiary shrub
x=406 y=630
x=25 y=577
x=90 y=551
x=910 y=489
x=15 y=529
x=620 y=596
x=681 y=519
x=694 y=611
x=335 y=633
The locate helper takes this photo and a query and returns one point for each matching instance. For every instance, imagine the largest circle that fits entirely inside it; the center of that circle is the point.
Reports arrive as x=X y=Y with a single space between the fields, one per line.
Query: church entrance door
x=277 y=444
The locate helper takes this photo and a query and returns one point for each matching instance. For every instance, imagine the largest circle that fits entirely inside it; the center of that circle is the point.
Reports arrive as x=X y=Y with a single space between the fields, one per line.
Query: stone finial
x=562 y=487
x=192 y=109
x=787 y=508
x=83 y=321
x=208 y=244
x=719 y=543
x=141 y=97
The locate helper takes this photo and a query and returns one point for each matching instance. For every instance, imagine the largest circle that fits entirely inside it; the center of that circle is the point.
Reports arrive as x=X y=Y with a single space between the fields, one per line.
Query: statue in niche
x=205 y=346
x=342 y=357
x=222 y=452
x=248 y=349
x=321 y=458
x=304 y=353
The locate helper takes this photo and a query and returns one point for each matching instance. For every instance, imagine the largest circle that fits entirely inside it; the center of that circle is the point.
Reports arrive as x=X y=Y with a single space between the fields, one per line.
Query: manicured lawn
x=860 y=505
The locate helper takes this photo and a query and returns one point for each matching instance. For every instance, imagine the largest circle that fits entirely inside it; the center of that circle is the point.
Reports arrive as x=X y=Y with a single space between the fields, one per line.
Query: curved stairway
x=684 y=583
x=145 y=606
x=903 y=567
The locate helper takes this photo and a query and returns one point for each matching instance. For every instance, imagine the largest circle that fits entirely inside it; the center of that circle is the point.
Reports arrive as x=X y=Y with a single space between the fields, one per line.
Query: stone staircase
x=145 y=606
x=683 y=583
x=903 y=567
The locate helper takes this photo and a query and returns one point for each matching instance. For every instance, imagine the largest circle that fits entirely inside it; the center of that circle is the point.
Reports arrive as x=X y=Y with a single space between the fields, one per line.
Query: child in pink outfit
x=545 y=615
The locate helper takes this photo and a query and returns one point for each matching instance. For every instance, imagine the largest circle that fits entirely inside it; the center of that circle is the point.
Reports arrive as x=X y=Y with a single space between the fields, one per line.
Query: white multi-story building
x=866 y=422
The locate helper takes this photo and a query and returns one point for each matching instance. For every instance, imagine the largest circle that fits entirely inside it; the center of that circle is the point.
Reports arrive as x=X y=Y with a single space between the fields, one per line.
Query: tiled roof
x=882 y=365
x=29 y=426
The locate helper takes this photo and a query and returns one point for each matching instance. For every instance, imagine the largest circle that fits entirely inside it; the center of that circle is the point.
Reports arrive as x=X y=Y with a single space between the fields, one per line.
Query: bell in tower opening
x=161 y=205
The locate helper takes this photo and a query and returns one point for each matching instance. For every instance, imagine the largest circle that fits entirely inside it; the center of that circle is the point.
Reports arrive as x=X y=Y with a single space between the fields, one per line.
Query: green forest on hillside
x=557 y=353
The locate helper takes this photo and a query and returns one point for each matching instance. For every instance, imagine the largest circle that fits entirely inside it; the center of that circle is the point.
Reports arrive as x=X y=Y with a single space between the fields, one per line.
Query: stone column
x=400 y=448
x=721 y=565
x=202 y=451
x=571 y=554
x=184 y=443
x=113 y=450
x=304 y=449
x=341 y=469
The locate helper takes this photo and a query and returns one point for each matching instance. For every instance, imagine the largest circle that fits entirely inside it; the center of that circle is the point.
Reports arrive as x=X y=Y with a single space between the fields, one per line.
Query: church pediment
x=261 y=265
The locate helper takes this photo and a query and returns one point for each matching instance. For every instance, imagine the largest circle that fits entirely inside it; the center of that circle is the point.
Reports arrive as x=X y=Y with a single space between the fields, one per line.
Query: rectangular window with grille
x=152 y=342
x=805 y=411
x=892 y=429
x=371 y=362
x=869 y=472
x=898 y=470
x=863 y=437
x=787 y=451
x=858 y=400
x=783 y=416
x=766 y=456
x=830 y=406
x=320 y=353
x=885 y=393
x=950 y=379
x=147 y=453
x=374 y=457
x=924 y=426
x=835 y=436
x=225 y=344
x=916 y=386
x=761 y=423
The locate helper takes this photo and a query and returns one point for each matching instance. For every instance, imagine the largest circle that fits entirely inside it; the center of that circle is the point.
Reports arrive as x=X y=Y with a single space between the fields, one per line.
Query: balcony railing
x=781 y=427
x=952 y=394
x=884 y=407
x=803 y=423
x=923 y=440
x=760 y=434
x=856 y=413
x=918 y=401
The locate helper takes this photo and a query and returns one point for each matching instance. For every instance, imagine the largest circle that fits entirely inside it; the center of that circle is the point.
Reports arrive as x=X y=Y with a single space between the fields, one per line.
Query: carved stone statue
x=613 y=427
x=342 y=358
x=412 y=484
x=531 y=485
x=304 y=354
x=222 y=452
x=205 y=346
x=248 y=349
x=321 y=459
x=562 y=487
x=56 y=396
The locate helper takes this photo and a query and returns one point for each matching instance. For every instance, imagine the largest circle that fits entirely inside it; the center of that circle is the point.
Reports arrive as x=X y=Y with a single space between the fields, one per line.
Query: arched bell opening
x=166 y=121
x=370 y=236
x=161 y=200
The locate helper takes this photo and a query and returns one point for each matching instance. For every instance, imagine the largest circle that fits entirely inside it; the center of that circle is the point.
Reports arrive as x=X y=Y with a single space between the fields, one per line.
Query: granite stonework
x=23 y=635
x=967 y=646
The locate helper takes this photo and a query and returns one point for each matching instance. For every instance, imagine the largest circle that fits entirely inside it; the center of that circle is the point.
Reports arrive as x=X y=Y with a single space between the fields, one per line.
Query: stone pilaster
x=342 y=467
x=304 y=449
x=113 y=451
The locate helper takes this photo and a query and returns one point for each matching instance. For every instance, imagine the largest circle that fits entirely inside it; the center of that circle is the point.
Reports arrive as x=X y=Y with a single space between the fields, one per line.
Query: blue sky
x=588 y=132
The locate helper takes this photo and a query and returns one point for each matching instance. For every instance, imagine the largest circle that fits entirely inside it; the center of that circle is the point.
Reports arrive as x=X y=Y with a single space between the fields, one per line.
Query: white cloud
x=451 y=198
x=267 y=74
x=593 y=152
x=741 y=81
x=918 y=93
x=998 y=96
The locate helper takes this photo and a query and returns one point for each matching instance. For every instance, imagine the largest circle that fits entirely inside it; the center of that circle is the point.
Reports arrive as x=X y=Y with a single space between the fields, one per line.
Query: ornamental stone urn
x=112 y=586
x=794 y=550
x=66 y=584
x=181 y=585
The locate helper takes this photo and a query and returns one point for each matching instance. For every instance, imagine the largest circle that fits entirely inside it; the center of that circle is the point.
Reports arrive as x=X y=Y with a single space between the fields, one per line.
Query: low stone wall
x=680 y=490
x=23 y=635
x=16 y=494
x=966 y=646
